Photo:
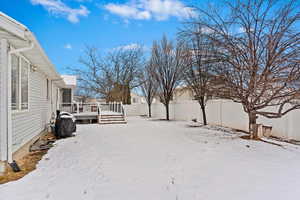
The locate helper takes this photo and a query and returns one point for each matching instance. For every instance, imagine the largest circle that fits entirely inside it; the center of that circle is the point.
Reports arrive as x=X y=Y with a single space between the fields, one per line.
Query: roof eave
x=21 y=32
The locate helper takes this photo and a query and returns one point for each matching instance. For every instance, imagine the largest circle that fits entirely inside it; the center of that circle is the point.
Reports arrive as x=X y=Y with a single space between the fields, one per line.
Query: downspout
x=57 y=94
x=9 y=115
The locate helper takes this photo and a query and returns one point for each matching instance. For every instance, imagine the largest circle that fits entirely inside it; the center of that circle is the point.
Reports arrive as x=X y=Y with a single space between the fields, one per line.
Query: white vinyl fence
x=221 y=112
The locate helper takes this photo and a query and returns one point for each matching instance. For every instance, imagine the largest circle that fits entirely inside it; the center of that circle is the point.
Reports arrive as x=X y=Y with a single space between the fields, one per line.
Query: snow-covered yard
x=158 y=160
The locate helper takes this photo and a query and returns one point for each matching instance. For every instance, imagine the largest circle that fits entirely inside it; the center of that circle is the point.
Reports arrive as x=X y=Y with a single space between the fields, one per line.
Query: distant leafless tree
x=200 y=65
x=82 y=93
x=148 y=85
x=103 y=75
x=126 y=65
x=93 y=75
x=168 y=68
x=259 y=49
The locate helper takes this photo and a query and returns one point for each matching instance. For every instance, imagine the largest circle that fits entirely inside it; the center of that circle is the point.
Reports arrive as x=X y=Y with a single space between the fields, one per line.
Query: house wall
x=3 y=100
x=221 y=112
x=137 y=99
x=28 y=124
x=183 y=95
x=25 y=125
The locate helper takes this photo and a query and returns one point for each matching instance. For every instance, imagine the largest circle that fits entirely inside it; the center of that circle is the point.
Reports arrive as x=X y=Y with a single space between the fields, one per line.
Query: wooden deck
x=93 y=115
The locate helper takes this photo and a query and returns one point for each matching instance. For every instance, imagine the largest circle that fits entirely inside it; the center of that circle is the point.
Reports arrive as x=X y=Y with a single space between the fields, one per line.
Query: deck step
x=115 y=119
x=113 y=122
x=111 y=119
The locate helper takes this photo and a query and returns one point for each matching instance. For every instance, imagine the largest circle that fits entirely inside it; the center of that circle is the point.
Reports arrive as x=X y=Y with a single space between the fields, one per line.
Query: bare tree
x=93 y=74
x=258 y=47
x=168 y=69
x=125 y=65
x=200 y=65
x=83 y=93
x=148 y=85
x=115 y=73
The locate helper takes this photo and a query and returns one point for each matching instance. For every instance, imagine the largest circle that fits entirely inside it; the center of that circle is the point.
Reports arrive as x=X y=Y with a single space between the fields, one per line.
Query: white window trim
x=48 y=89
x=20 y=110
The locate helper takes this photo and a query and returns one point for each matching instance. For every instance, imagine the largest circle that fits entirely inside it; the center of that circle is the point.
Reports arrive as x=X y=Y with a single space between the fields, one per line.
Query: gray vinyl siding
x=3 y=100
x=0 y=80
x=1 y=109
x=0 y=71
x=28 y=124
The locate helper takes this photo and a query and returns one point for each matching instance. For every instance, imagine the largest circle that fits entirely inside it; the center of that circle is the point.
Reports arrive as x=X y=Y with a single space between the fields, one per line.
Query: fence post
x=77 y=107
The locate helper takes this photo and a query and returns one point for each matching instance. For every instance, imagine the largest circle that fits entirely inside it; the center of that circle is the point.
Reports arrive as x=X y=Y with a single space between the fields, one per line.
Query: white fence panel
x=136 y=109
x=221 y=112
x=187 y=110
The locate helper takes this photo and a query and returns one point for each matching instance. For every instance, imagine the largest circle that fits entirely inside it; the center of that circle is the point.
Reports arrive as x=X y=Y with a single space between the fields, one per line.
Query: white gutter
x=17 y=29
x=8 y=18
x=9 y=116
x=31 y=46
x=12 y=26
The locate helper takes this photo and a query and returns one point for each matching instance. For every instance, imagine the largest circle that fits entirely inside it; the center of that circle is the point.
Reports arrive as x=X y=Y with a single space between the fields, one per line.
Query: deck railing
x=79 y=107
x=76 y=107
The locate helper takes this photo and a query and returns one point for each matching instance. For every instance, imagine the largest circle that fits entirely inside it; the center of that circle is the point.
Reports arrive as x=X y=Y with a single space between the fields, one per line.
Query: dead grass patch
x=164 y=120
x=247 y=137
x=27 y=163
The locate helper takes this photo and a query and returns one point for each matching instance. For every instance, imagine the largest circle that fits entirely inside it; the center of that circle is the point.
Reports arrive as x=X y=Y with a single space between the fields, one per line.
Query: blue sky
x=64 y=27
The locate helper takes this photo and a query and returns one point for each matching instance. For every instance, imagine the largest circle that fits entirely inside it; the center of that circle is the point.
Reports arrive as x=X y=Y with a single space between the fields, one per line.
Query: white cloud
x=129 y=46
x=68 y=46
x=127 y=11
x=147 y=9
x=243 y=30
x=57 y=7
x=206 y=30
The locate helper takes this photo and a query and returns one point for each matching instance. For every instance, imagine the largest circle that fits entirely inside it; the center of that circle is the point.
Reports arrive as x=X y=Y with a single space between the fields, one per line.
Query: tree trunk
x=204 y=115
x=202 y=105
x=167 y=111
x=253 y=129
x=149 y=110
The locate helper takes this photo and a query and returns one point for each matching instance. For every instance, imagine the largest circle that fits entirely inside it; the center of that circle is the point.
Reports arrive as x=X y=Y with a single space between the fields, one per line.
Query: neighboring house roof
x=69 y=80
x=19 y=36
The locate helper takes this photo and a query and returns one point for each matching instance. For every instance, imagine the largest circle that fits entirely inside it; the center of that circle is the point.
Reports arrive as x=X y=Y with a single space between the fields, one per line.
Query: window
x=24 y=84
x=14 y=82
x=67 y=95
x=47 y=89
x=19 y=83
